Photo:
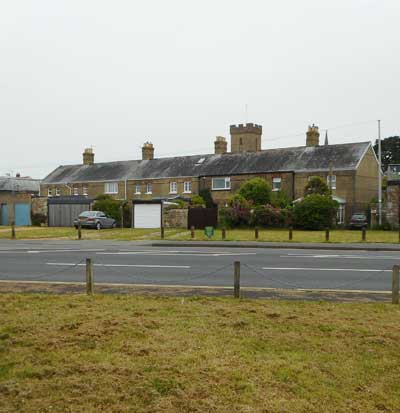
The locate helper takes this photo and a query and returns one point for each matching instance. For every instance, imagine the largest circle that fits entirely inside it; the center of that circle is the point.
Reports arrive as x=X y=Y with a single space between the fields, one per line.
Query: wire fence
x=249 y=276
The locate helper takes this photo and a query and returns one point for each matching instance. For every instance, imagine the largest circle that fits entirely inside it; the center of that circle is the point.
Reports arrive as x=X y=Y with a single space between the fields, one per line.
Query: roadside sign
x=209 y=231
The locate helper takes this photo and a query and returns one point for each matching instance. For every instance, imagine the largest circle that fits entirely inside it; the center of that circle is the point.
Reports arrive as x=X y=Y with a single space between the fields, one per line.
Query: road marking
x=323 y=269
x=336 y=256
x=178 y=254
x=70 y=264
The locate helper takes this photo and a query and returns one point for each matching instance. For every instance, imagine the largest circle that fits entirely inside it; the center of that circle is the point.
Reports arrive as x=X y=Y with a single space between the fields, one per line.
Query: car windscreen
x=87 y=214
x=359 y=216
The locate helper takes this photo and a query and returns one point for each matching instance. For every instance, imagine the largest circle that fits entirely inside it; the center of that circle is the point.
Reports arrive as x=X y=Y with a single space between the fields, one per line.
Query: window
x=341 y=214
x=49 y=192
x=58 y=192
x=76 y=190
x=137 y=189
x=85 y=190
x=173 y=188
x=331 y=181
x=149 y=188
x=276 y=184
x=111 y=188
x=187 y=187
x=219 y=184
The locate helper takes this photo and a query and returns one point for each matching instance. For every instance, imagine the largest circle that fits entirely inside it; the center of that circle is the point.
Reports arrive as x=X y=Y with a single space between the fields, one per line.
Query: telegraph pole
x=379 y=174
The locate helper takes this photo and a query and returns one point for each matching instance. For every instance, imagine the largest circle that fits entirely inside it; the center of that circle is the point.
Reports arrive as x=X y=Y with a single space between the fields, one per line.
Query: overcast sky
x=114 y=74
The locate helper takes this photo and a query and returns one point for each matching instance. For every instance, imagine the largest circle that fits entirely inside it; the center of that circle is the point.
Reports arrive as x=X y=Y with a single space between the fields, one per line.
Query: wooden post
x=192 y=233
x=122 y=216
x=13 y=235
x=395 y=284
x=364 y=233
x=327 y=234
x=79 y=230
x=162 y=232
x=236 y=279
x=256 y=233
x=223 y=233
x=290 y=233
x=89 y=277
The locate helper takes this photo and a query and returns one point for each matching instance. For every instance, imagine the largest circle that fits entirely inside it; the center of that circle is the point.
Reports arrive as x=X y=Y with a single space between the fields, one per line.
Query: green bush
x=206 y=195
x=38 y=219
x=268 y=216
x=316 y=185
x=198 y=201
x=315 y=212
x=280 y=199
x=112 y=208
x=256 y=190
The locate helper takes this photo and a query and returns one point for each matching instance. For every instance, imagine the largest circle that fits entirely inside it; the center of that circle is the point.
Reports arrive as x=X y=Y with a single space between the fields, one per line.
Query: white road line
x=177 y=254
x=323 y=269
x=70 y=264
x=356 y=257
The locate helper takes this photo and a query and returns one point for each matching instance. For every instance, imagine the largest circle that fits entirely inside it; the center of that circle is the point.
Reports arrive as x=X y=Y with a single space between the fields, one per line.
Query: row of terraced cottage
x=351 y=170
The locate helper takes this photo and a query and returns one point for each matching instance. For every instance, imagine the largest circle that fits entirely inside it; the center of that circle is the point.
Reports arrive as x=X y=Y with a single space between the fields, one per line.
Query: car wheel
x=98 y=226
x=114 y=225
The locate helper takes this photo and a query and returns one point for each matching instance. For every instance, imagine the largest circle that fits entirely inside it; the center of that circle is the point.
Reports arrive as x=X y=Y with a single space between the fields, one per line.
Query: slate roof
x=297 y=159
x=8 y=183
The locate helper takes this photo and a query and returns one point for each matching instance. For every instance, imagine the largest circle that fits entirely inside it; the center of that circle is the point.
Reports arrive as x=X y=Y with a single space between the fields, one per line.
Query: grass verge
x=146 y=354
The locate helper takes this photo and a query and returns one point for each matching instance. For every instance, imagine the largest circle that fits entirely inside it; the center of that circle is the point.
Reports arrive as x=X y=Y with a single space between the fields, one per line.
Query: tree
x=390 y=148
x=316 y=185
x=198 y=201
x=112 y=208
x=256 y=190
x=315 y=211
x=206 y=195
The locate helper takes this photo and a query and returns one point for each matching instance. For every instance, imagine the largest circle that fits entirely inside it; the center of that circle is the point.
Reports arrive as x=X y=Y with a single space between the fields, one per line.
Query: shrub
x=38 y=219
x=198 y=201
x=316 y=185
x=112 y=208
x=269 y=216
x=256 y=190
x=280 y=199
x=236 y=215
x=315 y=212
x=206 y=195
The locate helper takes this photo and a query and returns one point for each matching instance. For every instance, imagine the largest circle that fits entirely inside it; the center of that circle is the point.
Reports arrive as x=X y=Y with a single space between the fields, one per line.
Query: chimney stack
x=312 y=136
x=88 y=156
x=147 y=151
x=220 y=145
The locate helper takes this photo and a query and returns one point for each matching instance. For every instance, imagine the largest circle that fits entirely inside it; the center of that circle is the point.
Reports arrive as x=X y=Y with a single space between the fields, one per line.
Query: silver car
x=95 y=220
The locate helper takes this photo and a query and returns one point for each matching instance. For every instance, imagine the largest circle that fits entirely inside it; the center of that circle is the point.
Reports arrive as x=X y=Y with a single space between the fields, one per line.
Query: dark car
x=358 y=221
x=94 y=219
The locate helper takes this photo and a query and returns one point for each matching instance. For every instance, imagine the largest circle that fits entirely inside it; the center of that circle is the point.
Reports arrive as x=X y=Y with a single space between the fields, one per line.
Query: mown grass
x=135 y=354
x=266 y=235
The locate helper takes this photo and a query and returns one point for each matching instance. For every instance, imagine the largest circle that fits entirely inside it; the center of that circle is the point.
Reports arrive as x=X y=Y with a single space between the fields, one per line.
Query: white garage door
x=147 y=215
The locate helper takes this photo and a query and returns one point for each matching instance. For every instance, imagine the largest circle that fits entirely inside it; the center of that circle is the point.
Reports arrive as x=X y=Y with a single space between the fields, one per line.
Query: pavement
x=197 y=265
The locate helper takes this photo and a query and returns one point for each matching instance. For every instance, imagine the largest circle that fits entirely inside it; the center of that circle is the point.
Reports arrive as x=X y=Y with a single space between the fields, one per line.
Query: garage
x=63 y=210
x=147 y=214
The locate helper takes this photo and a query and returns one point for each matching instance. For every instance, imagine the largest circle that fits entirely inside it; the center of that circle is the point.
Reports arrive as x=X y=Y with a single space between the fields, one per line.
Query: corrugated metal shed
x=297 y=159
x=8 y=183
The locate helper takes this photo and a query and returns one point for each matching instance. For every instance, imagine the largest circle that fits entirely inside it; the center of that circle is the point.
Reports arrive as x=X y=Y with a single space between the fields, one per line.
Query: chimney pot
x=220 y=145
x=88 y=156
x=147 y=151
x=312 y=136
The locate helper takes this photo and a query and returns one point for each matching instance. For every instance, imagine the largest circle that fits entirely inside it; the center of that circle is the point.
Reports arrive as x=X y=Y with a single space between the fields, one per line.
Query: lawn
x=73 y=353
x=271 y=235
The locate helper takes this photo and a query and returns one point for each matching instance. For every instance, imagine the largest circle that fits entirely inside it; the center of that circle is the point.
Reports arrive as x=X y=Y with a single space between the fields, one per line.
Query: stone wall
x=175 y=218
x=39 y=206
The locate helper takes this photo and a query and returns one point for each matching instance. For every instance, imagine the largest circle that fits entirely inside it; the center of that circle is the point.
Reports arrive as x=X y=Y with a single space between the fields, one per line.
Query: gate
x=4 y=214
x=202 y=217
x=22 y=214
x=63 y=210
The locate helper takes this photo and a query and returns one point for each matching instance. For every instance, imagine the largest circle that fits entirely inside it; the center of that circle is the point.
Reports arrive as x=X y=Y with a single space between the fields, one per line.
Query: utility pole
x=379 y=174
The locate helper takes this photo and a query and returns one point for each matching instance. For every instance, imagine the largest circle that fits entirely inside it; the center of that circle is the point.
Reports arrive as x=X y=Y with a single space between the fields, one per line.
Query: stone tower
x=220 y=145
x=312 y=136
x=147 y=151
x=88 y=156
x=246 y=138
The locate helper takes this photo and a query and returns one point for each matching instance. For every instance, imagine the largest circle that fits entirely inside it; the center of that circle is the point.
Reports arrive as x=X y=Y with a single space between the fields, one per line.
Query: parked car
x=358 y=221
x=94 y=219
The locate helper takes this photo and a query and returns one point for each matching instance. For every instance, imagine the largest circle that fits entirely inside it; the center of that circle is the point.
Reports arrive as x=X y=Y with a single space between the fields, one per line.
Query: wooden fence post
x=79 y=230
x=223 y=233
x=13 y=235
x=327 y=234
x=395 y=284
x=162 y=232
x=236 y=280
x=290 y=233
x=192 y=233
x=256 y=233
x=122 y=216
x=89 y=277
x=364 y=233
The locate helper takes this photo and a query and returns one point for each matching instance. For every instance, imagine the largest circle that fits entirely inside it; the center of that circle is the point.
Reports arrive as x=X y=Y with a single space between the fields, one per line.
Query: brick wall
x=175 y=218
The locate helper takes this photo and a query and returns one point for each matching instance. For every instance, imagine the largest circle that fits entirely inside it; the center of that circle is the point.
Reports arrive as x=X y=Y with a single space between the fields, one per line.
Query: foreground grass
x=136 y=354
x=266 y=235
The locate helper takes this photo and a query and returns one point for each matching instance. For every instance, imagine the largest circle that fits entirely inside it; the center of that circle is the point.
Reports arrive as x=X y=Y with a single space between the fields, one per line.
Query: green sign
x=209 y=231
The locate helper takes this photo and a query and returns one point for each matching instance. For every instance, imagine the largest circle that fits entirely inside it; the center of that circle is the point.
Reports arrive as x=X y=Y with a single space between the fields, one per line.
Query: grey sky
x=113 y=74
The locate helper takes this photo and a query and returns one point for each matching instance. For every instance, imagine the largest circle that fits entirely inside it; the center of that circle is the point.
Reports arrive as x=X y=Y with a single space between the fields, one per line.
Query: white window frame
x=58 y=191
x=149 y=188
x=111 y=188
x=85 y=190
x=49 y=192
x=341 y=214
x=187 y=187
x=138 y=189
x=277 y=180
x=173 y=187
x=76 y=191
x=333 y=178
x=227 y=186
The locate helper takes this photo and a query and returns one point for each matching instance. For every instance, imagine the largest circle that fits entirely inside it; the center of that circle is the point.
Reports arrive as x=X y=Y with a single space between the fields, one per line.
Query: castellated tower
x=246 y=138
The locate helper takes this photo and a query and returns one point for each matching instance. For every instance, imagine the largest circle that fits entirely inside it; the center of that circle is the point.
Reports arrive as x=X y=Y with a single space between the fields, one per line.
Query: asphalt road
x=129 y=262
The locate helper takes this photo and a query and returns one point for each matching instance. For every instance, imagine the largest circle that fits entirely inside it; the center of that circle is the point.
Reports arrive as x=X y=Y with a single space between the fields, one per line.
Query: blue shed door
x=22 y=214
x=4 y=214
